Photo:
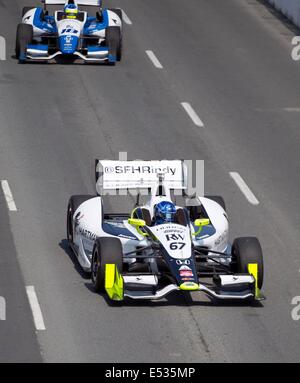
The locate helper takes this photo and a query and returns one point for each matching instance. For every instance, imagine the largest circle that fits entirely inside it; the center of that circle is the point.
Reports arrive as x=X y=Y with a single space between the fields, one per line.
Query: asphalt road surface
x=231 y=61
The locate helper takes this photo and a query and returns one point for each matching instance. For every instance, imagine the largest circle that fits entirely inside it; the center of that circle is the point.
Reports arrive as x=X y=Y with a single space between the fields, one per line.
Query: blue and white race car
x=70 y=33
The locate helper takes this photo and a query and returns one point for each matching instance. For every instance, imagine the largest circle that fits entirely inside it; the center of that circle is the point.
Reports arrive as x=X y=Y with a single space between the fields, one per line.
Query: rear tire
x=23 y=38
x=247 y=250
x=25 y=10
x=74 y=202
x=114 y=42
x=106 y=251
x=119 y=12
x=218 y=199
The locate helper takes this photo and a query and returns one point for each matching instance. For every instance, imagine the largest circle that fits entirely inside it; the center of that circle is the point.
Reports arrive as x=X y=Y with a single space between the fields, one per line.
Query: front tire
x=107 y=250
x=246 y=250
x=114 y=42
x=23 y=38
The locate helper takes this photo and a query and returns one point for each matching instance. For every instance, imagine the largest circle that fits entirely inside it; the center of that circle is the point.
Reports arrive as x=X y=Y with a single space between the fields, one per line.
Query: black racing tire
x=247 y=250
x=119 y=12
x=218 y=199
x=114 y=42
x=197 y=210
x=25 y=10
x=74 y=202
x=106 y=250
x=23 y=38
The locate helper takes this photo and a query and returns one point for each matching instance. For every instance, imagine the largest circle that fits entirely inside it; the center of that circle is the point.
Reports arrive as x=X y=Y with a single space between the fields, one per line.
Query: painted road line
x=8 y=196
x=2 y=308
x=35 y=308
x=154 y=59
x=126 y=18
x=192 y=114
x=292 y=110
x=244 y=188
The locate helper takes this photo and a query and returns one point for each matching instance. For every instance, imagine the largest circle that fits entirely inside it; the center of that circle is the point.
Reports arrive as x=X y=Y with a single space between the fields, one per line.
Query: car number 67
x=177 y=245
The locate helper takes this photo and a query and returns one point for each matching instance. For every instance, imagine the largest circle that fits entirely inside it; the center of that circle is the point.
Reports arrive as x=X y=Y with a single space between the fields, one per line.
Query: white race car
x=160 y=247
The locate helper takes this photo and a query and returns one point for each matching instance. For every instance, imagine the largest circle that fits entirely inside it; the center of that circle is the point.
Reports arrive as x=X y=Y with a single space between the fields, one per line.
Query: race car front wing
x=94 y=54
x=144 y=287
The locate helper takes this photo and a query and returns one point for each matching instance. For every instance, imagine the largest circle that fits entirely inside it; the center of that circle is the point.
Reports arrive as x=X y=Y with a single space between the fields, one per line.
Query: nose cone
x=68 y=44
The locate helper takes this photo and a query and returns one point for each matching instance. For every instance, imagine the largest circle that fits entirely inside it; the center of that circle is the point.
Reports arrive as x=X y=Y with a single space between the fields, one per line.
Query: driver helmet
x=164 y=212
x=71 y=11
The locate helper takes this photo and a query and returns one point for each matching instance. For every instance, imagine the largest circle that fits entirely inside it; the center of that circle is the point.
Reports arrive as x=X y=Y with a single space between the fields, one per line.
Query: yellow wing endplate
x=253 y=270
x=114 y=283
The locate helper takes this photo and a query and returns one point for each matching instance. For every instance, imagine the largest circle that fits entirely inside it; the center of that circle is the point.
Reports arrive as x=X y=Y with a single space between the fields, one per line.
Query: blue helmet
x=164 y=212
x=71 y=11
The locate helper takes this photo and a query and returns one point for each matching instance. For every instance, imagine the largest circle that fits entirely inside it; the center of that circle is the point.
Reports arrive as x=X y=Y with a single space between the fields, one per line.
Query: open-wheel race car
x=160 y=246
x=70 y=33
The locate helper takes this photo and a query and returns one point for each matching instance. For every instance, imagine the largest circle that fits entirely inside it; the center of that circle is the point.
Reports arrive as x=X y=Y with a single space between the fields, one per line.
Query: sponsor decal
x=186 y=273
x=184 y=268
x=87 y=234
x=171 y=228
x=174 y=237
x=128 y=169
x=221 y=239
x=119 y=178
x=69 y=29
x=68 y=40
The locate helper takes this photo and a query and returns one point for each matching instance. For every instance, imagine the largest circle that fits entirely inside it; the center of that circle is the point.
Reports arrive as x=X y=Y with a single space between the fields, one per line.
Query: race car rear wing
x=118 y=175
x=95 y=3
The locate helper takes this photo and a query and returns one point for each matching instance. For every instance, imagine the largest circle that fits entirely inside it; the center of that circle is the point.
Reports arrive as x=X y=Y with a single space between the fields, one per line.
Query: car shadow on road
x=65 y=246
x=180 y=299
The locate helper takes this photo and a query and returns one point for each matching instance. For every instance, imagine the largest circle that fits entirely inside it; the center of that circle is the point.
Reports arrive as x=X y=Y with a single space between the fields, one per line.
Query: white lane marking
x=126 y=18
x=35 y=308
x=2 y=308
x=292 y=110
x=8 y=196
x=244 y=188
x=192 y=114
x=154 y=59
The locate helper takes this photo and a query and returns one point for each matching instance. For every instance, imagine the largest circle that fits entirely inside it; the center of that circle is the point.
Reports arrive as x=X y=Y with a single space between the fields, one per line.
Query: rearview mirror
x=201 y=222
x=136 y=222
